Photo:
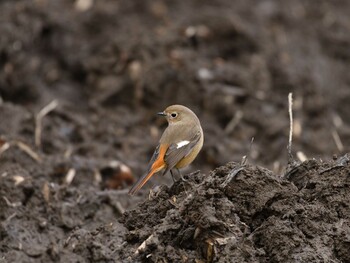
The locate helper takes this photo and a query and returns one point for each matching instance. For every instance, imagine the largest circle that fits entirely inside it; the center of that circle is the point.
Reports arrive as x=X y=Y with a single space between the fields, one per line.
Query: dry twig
x=232 y=175
x=10 y=217
x=119 y=207
x=337 y=121
x=22 y=146
x=46 y=192
x=4 y=147
x=112 y=192
x=234 y=122
x=245 y=157
x=69 y=176
x=68 y=152
x=151 y=239
x=301 y=156
x=290 y=110
x=337 y=140
x=83 y=5
x=38 y=120
x=26 y=148
x=18 y=179
x=97 y=177
x=14 y=204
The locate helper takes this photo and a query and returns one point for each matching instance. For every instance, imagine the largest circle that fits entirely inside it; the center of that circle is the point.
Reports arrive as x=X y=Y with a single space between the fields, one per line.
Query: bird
x=179 y=145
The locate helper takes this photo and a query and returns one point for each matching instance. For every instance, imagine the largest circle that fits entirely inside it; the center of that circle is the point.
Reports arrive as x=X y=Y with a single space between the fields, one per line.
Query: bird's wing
x=166 y=156
x=156 y=164
x=179 y=150
x=154 y=158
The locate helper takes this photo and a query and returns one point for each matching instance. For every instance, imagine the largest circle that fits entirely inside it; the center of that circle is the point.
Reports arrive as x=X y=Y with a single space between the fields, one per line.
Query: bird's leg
x=172 y=175
x=182 y=178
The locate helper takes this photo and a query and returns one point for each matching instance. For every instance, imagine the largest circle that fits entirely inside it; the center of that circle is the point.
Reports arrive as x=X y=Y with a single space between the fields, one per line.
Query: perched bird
x=179 y=145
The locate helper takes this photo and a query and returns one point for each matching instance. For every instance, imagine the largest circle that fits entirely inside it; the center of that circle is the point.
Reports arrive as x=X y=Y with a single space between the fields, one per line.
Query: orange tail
x=156 y=166
x=141 y=182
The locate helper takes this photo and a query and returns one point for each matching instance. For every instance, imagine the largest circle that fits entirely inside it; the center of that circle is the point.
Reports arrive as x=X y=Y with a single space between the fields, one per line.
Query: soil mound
x=247 y=214
x=241 y=213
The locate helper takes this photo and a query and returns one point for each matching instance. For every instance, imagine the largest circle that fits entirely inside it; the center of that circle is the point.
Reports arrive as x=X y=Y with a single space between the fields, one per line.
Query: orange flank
x=156 y=166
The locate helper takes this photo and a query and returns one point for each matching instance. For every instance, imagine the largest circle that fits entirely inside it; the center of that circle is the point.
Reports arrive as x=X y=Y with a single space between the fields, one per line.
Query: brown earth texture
x=80 y=83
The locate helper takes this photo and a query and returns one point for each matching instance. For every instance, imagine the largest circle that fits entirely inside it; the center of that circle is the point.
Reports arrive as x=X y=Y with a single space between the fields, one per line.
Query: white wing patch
x=182 y=144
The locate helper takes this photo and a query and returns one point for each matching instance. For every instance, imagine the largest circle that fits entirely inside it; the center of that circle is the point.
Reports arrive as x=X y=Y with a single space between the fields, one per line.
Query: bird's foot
x=193 y=173
x=183 y=178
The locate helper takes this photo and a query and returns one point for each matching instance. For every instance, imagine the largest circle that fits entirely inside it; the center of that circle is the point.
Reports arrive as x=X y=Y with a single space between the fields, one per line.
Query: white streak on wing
x=182 y=143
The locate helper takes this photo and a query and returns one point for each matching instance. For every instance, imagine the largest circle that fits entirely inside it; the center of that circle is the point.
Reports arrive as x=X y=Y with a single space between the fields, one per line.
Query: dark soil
x=111 y=68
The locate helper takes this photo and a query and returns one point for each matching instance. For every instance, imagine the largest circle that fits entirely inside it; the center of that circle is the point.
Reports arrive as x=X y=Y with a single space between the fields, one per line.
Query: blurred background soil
x=109 y=66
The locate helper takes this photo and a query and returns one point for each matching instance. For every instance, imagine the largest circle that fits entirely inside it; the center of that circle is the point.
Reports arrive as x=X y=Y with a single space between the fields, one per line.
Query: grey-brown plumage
x=179 y=145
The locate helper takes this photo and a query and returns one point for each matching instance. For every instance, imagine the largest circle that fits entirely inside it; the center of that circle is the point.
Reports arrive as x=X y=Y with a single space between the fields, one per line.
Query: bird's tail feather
x=141 y=182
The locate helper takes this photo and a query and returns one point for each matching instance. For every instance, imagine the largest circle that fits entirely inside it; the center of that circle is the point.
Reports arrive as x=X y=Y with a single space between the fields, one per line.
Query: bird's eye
x=173 y=115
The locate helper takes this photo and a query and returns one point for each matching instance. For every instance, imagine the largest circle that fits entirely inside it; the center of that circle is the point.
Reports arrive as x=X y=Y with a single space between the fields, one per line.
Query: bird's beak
x=162 y=113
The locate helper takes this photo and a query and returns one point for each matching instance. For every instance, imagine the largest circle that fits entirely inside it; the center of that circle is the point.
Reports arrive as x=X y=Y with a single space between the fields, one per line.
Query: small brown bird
x=179 y=145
